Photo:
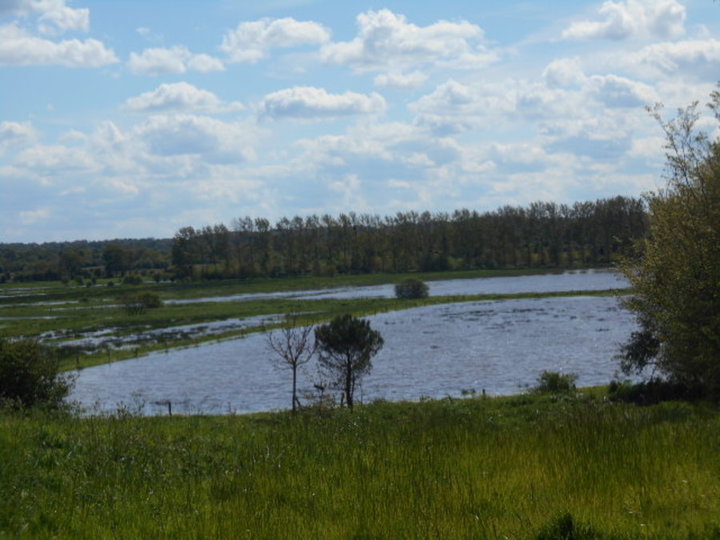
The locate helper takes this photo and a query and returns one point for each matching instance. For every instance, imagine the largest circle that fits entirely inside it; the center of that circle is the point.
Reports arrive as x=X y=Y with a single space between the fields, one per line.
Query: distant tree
x=30 y=376
x=346 y=346
x=185 y=252
x=293 y=347
x=677 y=276
x=411 y=288
x=115 y=258
x=70 y=263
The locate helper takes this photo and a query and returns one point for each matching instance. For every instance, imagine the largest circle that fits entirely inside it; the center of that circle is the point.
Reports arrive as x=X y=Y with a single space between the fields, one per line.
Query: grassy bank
x=476 y=468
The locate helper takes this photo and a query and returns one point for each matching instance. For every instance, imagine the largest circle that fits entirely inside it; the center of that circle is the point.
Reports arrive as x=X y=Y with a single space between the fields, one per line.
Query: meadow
x=528 y=466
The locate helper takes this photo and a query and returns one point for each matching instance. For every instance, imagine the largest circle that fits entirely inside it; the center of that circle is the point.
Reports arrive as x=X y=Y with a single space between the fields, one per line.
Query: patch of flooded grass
x=68 y=313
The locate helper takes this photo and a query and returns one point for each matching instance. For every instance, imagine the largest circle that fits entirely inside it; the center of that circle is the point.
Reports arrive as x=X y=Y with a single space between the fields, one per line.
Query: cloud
x=19 y=48
x=661 y=19
x=698 y=57
x=376 y=153
x=178 y=59
x=454 y=107
x=56 y=16
x=563 y=73
x=252 y=41
x=411 y=80
x=307 y=102
x=186 y=135
x=29 y=217
x=53 y=16
x=178 y=96
x=615 y=91
x=54 y=159
x=16 y=133
x=387 y=42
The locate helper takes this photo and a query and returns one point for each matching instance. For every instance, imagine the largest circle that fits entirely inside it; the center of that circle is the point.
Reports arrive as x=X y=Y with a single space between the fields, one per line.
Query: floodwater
x=106 y=337
x=573 y=280
x=446 y=350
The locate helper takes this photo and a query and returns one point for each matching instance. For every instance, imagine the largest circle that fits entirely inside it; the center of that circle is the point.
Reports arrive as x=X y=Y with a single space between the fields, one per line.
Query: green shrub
x=552 y=382
x=411 y=288
x=30 y=376
x=136 y=304
x=654 y=391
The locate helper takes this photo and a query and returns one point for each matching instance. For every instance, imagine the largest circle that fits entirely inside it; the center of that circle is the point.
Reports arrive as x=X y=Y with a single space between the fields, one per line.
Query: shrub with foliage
x=137 y=304
x=677 y=276
x=30 y=376
x=552 y=382
x=411 y=288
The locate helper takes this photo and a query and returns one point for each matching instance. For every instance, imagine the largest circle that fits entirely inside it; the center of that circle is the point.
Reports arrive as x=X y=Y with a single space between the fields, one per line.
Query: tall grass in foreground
x=482 y=468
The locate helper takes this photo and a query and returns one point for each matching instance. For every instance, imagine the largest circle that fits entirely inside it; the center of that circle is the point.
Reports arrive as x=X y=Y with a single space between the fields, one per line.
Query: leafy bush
x=675 y=278
x=30 y=376
x=411 y=288
x=136 y=304
x=552 y=382
x=654 y=391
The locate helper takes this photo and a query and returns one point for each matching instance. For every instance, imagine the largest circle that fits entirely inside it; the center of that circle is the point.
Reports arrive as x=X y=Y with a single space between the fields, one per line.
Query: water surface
x=574 y=280
x=435 y=351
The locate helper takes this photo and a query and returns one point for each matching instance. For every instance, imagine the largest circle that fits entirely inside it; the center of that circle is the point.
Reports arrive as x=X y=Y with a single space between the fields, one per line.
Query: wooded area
x=539 y=235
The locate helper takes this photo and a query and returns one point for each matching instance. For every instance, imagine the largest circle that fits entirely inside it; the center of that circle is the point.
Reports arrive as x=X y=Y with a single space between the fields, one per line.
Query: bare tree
x=293 y=346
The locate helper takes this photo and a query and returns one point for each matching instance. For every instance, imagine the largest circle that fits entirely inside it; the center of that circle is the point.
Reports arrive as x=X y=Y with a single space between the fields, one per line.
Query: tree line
x=539 y=235
x=83 y=259
x=543 y=234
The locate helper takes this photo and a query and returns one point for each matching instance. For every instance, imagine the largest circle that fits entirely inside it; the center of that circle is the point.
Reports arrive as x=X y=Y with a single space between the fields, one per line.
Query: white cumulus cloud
x=387 y=41
x=697 y=57
x=52 y=16
x=20 y=48
x=411 y=80
x=615 y=91
x=186 y=135
x=306 y=102
x=251 y=41
x=630 y=19
x=16 y=133
x=178 y=59
x=178 y=96
x=563 y=73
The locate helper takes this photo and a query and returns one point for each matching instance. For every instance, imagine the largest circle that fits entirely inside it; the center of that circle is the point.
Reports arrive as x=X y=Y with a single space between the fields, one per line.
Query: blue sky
x=135 y=118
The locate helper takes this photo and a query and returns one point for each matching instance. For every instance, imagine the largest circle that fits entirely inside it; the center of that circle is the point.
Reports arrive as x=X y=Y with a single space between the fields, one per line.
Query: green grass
x=474 y=468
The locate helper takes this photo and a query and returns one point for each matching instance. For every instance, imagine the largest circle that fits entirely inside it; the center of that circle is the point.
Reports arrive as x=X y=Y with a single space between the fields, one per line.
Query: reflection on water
x=435 y=351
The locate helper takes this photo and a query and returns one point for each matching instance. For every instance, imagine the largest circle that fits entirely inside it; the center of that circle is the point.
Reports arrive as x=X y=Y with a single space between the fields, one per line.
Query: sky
x=134 y=118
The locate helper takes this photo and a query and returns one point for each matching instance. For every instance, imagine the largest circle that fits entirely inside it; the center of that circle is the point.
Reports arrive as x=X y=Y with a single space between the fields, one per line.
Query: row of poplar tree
x=539 y=235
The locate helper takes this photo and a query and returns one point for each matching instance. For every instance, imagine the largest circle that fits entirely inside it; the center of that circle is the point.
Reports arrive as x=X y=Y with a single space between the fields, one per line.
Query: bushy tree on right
x=676 y=272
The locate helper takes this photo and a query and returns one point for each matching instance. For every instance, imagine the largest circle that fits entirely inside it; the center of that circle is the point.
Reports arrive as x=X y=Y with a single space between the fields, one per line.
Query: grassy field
x=60 y=314
x=519 y=467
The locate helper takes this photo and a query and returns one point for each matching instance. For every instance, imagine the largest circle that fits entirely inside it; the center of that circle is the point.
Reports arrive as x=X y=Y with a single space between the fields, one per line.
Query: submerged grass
x=519 y=467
